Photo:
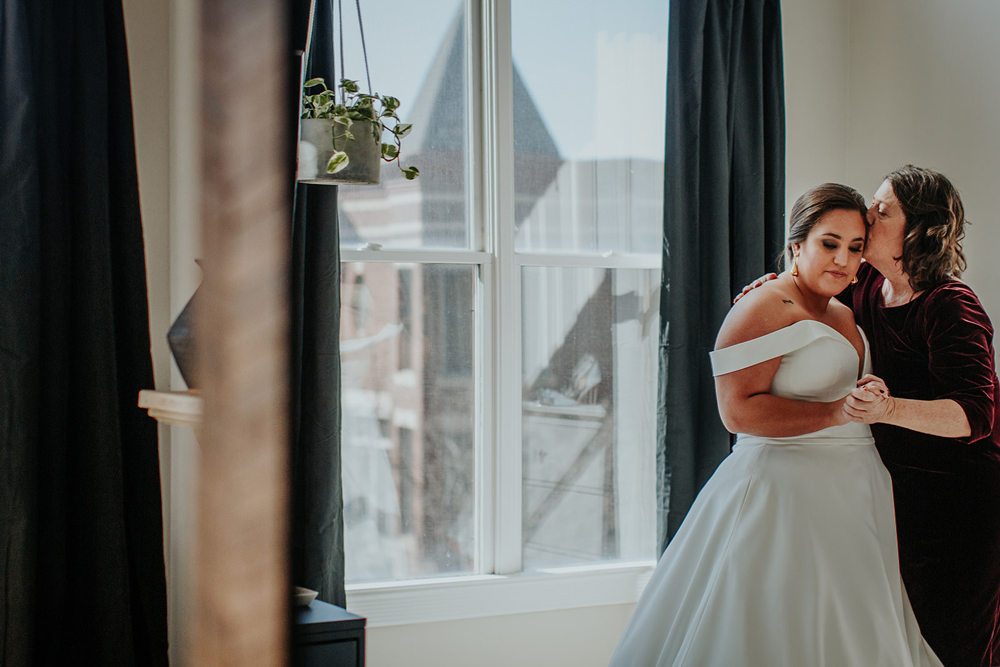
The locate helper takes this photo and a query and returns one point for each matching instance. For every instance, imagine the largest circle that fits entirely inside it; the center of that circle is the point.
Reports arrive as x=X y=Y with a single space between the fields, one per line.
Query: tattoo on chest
x=788 y=301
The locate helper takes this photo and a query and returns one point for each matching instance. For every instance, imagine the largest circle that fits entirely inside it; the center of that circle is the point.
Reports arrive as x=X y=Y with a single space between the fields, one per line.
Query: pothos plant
x=379 y=110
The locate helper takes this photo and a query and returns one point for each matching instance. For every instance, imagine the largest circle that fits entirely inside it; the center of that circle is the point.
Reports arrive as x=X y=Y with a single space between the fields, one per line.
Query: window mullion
x=486 y=464
x=480 y=243
x=499 y=214
x=479 y=235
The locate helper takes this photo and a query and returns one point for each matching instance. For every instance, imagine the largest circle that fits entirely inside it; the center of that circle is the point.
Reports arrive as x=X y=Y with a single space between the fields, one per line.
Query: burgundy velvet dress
x=946 y=490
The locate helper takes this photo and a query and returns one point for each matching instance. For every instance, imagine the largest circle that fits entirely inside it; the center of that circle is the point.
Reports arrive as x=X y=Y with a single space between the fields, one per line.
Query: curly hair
x=935 y=226
x=813 y=204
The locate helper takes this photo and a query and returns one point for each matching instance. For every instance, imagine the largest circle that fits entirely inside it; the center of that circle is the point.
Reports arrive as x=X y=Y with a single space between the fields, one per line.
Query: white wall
x=149 y=55
x=925 y=89
x=816 y=46
x=568 y=638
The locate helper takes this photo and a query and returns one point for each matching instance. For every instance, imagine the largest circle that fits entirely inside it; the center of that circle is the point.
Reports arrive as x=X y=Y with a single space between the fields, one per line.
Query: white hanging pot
x=319 y=138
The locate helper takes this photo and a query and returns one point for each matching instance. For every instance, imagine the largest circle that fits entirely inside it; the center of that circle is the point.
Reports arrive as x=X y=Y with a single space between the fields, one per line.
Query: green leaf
x=314 y=82
x=368 y=113
x=338 y=162
x=389 y=152
x=390 y=102
x=402 y=129
x=410 y=173
x=349 y=86
x=343 y=120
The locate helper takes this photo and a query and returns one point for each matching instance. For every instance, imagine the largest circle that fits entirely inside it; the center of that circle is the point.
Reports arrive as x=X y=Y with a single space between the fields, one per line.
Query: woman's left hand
x=869 y=402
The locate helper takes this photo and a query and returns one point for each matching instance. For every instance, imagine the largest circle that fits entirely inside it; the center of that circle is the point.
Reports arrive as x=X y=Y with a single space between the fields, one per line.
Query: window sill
x=474 y=596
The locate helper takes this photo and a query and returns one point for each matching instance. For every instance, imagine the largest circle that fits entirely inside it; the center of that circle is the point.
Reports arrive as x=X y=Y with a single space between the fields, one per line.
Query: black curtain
x=317 y=535
x=723 y=218
x=81 y=548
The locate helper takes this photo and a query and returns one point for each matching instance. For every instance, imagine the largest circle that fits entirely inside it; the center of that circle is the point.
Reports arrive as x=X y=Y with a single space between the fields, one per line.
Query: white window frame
x=499 y=586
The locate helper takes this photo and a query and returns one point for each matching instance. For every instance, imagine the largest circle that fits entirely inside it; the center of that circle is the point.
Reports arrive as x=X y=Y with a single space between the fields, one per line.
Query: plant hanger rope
x=364 y=49
x=340 y=22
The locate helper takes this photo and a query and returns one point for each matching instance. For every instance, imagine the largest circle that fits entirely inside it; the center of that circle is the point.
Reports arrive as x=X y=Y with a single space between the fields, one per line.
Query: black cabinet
x=325 y=635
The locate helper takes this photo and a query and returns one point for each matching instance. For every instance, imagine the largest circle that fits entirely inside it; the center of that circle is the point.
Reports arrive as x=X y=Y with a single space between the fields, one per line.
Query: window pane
x=407 y=340
x=417 y=53
x=589 y=125
x=589 y=340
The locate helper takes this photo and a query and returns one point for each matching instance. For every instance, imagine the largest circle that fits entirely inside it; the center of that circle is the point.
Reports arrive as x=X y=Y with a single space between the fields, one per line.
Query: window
x=501 y=311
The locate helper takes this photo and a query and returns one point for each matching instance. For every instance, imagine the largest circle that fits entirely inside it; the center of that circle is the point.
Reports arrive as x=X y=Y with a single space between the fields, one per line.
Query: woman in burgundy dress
x=936 y=424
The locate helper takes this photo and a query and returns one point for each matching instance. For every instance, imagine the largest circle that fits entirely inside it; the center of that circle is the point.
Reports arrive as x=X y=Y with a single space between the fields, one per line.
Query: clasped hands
x=869 y=402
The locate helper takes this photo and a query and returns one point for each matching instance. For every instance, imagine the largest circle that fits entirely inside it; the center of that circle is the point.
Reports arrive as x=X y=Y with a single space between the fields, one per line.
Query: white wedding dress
x=788 y=555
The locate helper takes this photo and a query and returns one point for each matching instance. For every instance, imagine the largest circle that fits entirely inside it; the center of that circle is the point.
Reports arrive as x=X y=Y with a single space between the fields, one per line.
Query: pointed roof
x=440 y=105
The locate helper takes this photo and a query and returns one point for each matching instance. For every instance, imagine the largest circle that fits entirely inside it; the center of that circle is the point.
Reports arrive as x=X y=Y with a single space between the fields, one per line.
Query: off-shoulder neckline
x=796 y=322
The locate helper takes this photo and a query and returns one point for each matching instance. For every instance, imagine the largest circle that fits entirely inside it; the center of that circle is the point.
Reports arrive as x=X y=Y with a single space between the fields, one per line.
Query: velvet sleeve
x=960 y=351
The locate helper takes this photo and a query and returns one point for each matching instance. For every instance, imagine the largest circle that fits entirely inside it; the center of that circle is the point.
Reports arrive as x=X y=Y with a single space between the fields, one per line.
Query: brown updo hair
x=817 y=202
x=935 y=226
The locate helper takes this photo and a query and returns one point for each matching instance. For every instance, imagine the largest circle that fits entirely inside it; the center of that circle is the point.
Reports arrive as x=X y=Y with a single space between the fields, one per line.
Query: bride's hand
x=755 y=284
x=869 y=402
x=840 y=415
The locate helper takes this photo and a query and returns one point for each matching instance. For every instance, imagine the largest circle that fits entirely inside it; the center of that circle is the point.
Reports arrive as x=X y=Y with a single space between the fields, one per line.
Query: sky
x=555 y=45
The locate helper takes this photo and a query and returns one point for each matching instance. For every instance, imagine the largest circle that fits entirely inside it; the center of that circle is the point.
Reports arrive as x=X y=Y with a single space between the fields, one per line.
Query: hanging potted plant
x=341 y=142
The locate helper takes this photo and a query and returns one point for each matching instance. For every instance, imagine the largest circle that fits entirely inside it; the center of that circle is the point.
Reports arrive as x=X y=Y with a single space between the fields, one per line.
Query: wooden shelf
x=172 y=407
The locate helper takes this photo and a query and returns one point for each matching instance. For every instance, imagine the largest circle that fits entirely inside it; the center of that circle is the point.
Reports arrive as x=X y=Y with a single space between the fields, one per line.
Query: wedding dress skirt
x=788 y=555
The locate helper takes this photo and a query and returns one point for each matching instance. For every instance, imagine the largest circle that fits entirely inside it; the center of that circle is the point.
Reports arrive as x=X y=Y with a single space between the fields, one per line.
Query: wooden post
x=242 y=328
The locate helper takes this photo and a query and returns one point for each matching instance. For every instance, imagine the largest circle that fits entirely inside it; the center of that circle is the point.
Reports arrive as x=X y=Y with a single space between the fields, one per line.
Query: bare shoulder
x=762 y=310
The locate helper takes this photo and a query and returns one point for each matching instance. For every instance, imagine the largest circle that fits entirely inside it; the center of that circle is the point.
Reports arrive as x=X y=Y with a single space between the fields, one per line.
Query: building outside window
x=500 y=324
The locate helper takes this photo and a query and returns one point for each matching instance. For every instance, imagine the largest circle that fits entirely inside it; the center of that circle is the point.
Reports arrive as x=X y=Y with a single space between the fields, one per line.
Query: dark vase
x=180 y=338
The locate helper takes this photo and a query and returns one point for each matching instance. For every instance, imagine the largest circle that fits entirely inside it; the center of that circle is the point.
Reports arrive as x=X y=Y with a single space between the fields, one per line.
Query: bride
x=788 y=555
